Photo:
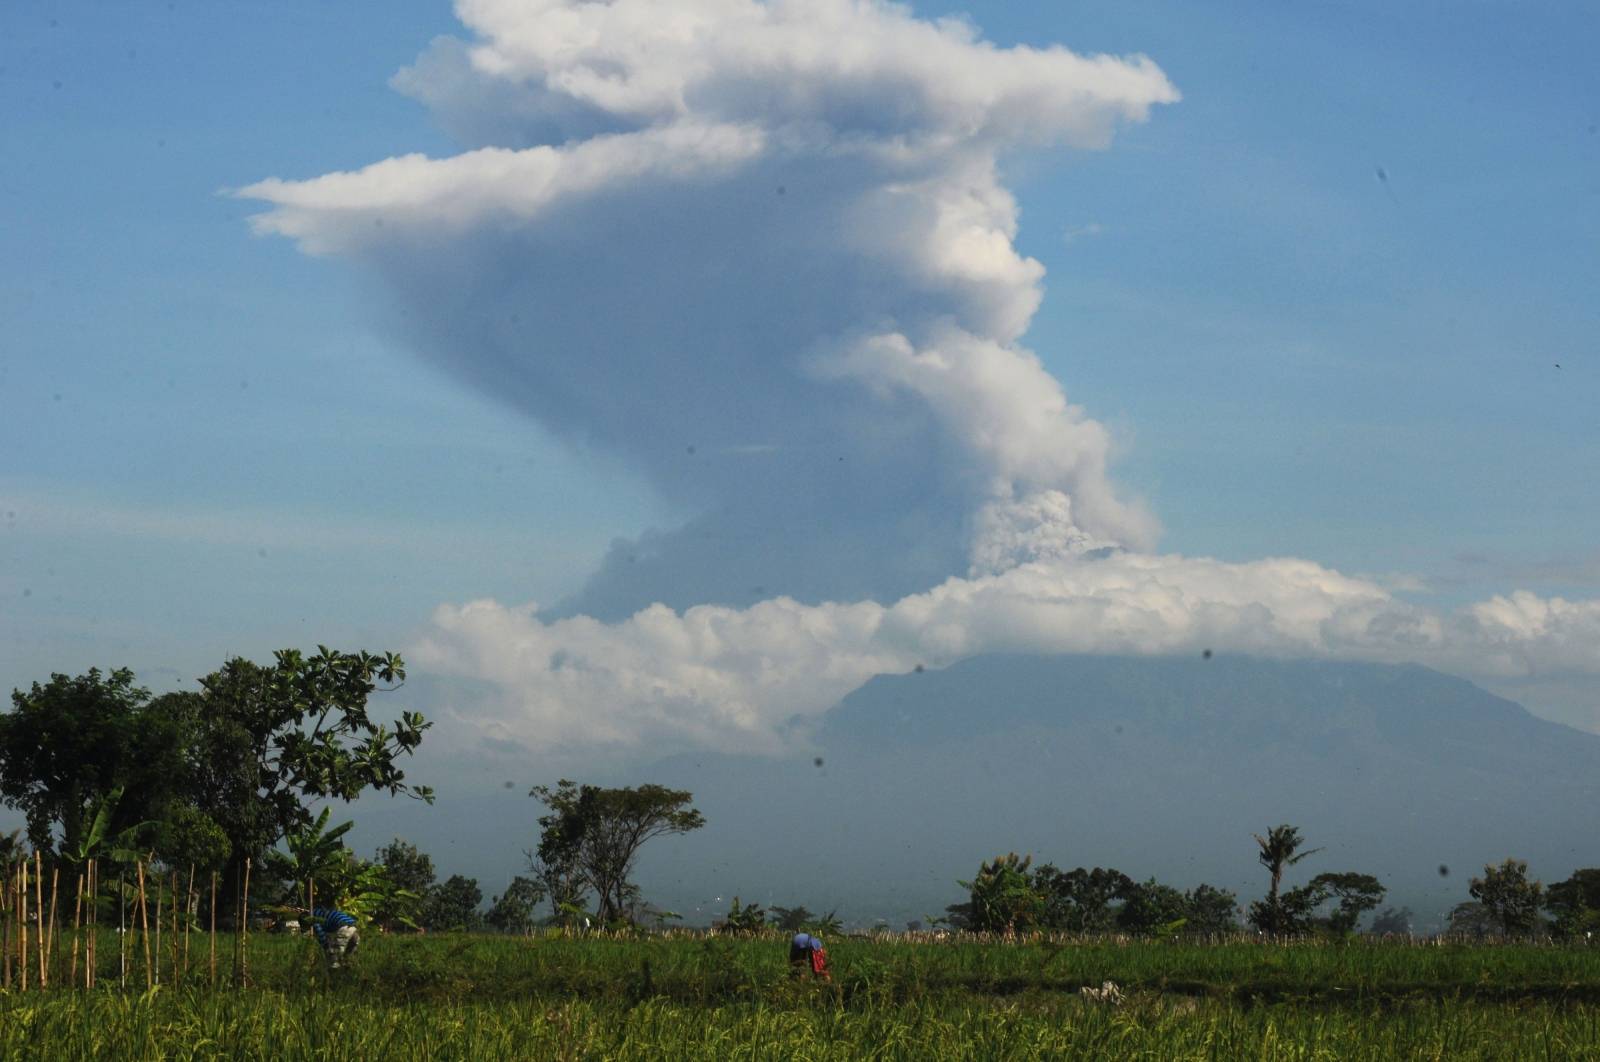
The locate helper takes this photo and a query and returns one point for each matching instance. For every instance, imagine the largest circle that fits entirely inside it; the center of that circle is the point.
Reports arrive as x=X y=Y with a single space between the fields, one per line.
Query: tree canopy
x=68 y=745
x=597 y=832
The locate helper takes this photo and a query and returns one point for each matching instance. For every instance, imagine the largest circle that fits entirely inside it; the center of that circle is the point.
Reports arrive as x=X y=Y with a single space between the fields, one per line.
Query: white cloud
x=436 y=198
x=737 y=678
x=682 y=225
x=762 y=252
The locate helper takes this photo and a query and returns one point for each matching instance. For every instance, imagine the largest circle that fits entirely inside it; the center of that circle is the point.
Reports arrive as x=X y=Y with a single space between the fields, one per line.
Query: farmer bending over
x=806 y=950
x=336 y=932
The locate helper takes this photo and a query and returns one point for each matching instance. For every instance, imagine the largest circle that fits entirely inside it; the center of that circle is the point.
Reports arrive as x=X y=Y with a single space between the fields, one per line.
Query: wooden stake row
x=30 y=949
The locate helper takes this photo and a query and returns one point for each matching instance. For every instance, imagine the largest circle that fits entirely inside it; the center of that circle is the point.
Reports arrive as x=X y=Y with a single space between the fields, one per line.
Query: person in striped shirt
x=336 y=932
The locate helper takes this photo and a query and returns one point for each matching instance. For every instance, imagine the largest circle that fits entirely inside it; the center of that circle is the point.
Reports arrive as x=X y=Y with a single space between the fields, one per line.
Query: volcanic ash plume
x=761 y=252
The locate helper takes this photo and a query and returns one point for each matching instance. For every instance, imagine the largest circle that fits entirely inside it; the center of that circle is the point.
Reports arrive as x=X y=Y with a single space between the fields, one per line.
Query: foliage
x=452 y=905
x=824 y=925
x=320 y=871
x=1211 y=910
x=1080 y=900
x=1391 y=921
x=186 y=837
x=1152 y=909
x=1279 y=914
x=1473 y=919
x=412 y=873
x=95 y=840
x=1003 y=898
x=598 y=833
x=1575 y=903
x=627 y=996
x=1509 y=897
x=744 y=919
x=791 y=919
x=268 y=740
x=1357 y=894
x=513 y=910
x=67 y=744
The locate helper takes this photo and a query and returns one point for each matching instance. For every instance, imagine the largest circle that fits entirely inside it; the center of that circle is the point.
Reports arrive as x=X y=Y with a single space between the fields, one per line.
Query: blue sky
x=1319 y=303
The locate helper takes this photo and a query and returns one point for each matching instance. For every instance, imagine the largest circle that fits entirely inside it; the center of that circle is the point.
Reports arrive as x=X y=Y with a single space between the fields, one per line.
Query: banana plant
x=95 y=840
x=317 y=854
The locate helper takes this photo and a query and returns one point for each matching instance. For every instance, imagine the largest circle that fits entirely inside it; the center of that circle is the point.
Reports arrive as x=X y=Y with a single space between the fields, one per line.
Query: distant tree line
x=1009 y=895
x=212 y=778
x=226 y=777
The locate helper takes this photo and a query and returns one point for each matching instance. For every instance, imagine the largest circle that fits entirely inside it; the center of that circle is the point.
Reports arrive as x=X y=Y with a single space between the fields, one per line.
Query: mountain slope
x=1158 y=766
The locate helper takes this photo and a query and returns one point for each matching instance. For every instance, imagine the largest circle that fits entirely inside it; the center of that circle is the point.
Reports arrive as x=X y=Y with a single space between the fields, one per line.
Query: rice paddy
x=695 y=996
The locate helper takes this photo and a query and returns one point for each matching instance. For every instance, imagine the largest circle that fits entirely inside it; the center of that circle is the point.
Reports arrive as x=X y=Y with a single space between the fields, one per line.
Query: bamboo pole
x=50 y=944
x=191 y=910
x=213 y=929
x=144 y=922
x=22 y=922
x=94 y=923
x=244 y=930
x=5 y=931
x=10 y=916
x=77 y=929
x=173 y=936
x=122 y=928
x=157 y=881
x=38 y=911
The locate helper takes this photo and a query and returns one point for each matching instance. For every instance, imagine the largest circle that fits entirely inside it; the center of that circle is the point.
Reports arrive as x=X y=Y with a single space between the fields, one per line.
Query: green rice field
x=691 y=996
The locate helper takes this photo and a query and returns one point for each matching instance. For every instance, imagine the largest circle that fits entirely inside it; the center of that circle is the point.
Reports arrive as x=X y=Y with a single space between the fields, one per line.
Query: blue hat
x=805 y=940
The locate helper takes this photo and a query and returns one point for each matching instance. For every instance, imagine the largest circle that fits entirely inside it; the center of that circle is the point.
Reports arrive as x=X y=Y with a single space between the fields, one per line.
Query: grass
x=698 y=997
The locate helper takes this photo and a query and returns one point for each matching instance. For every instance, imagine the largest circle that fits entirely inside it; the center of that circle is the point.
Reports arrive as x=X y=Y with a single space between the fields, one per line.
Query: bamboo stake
x=191 y=910
x=122 y=929
x=5 y=931
x=94 y=923
x=213 y=929
x=77 y=930
x=144 y=922
x=5 y=923
x=22 y=922
x=244 y=930
x=50 y=945
x=158 y=928
x=174 y=934
x=157 y=882
x=38 y=911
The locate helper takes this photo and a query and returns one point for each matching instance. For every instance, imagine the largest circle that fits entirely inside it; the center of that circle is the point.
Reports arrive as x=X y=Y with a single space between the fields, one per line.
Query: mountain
x=1157 y=766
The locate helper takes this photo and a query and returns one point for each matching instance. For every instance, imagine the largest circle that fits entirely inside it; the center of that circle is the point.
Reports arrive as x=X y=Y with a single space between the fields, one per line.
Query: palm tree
x=1280 y=849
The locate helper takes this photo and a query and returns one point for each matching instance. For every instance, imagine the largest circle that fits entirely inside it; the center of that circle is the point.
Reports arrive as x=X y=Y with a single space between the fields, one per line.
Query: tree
x=1391 y=922
x=266 y=741
x=747 y=919
x=790 y=919
x=412 y=873
x=599 y=832
x=1280 y=849
x=1152 y=909
x=187 y=837
x=1003 y=897
x=1293 y=913
x=452 y=905
x=512 y=911
x=1575 y=903
x=67 y=744
x=1211 y=910
x=1473 y=919
x=1080 y=900
x=555 y=868
x=1357 y=894
x=1508 y=897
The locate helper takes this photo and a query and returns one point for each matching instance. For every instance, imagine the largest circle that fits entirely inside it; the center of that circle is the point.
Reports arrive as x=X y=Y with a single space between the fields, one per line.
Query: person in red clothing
x=807 y=950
